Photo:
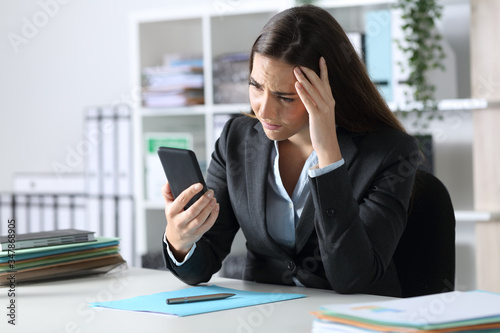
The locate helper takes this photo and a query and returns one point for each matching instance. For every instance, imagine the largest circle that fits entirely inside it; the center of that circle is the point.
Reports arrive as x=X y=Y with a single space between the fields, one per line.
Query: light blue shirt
x=282 y=212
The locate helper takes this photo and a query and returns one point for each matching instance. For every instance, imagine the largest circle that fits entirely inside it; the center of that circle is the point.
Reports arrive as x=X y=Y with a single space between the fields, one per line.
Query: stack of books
x=56 y=254
x=471 y=311
x=178 y=82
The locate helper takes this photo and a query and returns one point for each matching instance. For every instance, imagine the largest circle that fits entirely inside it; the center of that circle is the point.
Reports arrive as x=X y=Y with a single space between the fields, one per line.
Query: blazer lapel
x=305 y=225
x=257 y=154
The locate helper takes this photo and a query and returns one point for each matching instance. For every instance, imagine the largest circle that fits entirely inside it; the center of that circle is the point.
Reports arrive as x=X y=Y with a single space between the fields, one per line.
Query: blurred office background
x=60 y=59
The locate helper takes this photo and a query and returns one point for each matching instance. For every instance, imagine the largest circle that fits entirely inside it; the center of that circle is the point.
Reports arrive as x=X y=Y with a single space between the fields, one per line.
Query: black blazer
x=348 y=230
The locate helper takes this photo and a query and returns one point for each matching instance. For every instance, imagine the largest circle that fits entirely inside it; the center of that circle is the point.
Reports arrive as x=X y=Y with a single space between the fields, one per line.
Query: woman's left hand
x=316 y=94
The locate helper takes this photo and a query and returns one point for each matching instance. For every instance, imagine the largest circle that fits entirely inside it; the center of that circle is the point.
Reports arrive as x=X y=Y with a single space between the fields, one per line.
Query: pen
x=211 y=297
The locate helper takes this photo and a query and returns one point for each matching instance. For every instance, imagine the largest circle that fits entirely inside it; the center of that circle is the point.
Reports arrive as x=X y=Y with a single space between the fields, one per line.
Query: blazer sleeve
x=215 y=245
x=357 y=237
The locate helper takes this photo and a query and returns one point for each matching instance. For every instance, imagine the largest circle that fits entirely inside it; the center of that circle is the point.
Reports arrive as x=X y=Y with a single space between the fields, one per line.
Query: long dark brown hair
x=299 y=36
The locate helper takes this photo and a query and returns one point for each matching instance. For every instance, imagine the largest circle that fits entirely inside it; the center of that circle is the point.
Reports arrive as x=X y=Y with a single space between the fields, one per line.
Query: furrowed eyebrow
x=277 y=93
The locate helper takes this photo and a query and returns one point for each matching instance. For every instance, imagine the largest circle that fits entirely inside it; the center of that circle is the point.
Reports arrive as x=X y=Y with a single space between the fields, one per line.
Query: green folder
x=59 y=258
x=39 y=252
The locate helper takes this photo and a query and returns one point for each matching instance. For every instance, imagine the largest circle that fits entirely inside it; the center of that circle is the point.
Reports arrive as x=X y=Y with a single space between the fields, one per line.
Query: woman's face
x=275 y=101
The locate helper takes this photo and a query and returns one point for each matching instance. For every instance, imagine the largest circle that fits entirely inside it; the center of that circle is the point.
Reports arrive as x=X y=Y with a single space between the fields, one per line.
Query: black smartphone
x=182 y=170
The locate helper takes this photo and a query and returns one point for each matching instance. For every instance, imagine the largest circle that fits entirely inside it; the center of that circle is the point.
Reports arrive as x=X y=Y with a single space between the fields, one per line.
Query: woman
x=318 y=178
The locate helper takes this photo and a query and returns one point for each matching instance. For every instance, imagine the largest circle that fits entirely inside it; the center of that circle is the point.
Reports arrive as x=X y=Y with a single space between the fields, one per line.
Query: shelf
x=230 y=108
x=462 y=104
x=448 y=105
x=195 y=110
x=444 y=105
x=365 y=3
x=353 y=3
x=212 y=30
x=476 y=216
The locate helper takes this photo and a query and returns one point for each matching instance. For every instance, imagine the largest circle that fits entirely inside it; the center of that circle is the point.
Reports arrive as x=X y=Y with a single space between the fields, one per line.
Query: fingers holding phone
x=190 y=209
x=185 y=227
x=167 y=193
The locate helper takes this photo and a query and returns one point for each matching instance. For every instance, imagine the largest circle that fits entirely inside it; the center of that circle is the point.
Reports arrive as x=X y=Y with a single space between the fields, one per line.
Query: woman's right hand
x=185 y=227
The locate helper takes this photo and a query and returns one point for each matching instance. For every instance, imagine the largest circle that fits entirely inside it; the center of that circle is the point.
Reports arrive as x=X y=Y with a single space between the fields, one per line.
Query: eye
x=286 y=99
x=255 y=85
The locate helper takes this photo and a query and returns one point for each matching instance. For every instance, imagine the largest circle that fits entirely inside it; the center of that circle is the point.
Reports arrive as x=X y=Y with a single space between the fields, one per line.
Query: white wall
x=74 y=55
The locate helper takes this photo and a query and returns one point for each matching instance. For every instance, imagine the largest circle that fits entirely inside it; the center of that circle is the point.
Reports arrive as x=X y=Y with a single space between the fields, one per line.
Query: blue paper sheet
x=157 y=302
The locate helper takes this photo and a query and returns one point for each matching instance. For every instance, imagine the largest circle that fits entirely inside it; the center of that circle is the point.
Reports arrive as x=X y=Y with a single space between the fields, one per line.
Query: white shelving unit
x=209 y=29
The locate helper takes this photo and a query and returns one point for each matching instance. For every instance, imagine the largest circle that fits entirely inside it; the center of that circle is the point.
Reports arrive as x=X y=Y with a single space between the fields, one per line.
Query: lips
x=270 y=126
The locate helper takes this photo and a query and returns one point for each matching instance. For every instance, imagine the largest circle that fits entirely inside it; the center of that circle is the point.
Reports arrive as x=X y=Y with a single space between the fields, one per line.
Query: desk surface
x=61 y=306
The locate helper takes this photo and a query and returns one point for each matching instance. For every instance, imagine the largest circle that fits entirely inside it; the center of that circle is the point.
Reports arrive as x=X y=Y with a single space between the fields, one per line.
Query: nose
x=267 y=109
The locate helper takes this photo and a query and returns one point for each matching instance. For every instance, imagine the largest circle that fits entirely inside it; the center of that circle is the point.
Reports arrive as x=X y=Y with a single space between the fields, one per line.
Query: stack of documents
x=472 y=311
x=176 y=83
x=24 y=263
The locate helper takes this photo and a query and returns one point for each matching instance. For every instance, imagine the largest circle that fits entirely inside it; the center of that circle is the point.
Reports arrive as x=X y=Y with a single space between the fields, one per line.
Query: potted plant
x=421 y=45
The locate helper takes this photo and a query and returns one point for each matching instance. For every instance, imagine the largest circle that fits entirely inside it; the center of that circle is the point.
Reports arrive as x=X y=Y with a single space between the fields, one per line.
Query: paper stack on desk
x=77 y=258
x=472 y=311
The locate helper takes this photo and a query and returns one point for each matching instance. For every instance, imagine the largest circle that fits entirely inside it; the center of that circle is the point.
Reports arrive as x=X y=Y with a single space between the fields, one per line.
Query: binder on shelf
x=79 y=202
x=5 y=212
x=93 y=135
x=109 y=219
x=379 y=50
x=126 y=228
x=93 y=214
x=124 y=155
x=63 y=212
x=109 y=165
x=109 y=174
x=35 y=214
x=154 y=174
x=21 y=214
x=109 y=146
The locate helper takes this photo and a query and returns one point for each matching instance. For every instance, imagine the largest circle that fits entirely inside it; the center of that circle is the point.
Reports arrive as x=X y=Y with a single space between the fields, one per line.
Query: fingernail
x=210 y=193
x=197 y=186
x=297 y=70
x=323 y=60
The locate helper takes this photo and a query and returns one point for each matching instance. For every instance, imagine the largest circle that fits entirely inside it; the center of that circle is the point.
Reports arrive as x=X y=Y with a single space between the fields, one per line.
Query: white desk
x=61 y=306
